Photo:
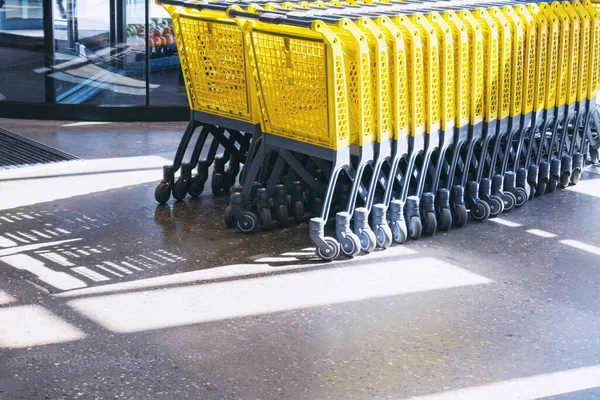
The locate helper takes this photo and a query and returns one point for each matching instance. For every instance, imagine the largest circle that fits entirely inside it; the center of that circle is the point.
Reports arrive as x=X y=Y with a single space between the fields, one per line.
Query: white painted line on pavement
x=231 y=271
x=505 y=222
x=6 y=298
x=58 y=279
x=27 y=326
x=40 y=234
x=34 y=185
x=17 y=238
x=36 y=246
x=582 y=246
x=590 y=187
x=4 y=242
x=169 y=307
x=529 y=388
x=541 y=233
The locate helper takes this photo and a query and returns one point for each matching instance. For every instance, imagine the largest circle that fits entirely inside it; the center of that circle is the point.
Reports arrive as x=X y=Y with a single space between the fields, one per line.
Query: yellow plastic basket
x=416 y=74
x=431 y=57
x=461 y=67
x=585 y=42
x=491 y=62
x=310 y=81
x=518 y=60
x=215 y=68
x=552 y=55
x=447 y=79
x=505 y=51
x=573 y=53
x=594 y=62
x=398 y=82
x=529 y=58
x=563 y=54
x=476 y=69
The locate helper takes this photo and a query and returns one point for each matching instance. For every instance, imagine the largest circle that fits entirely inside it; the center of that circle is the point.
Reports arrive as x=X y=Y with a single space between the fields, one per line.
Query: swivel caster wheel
x=196 y=187
x=552 y=184
x=445 y=220
x=521 y=196
x=265 y=219
x=541 y=187
x=575 y=176
x=430 y=223
x=399 y=232
x=351 y=245
x=228 y=217
x=179 y=190
x=510 y=201
x=162 y=193
x=496 y=206
x=481 y=211
x=281 y=214
x=249 y=223
x=384 y=236
x=217 y=184
x=331 y=252
x=565 y=178
x=415 y=229
x=368 y=241
x=460 y=216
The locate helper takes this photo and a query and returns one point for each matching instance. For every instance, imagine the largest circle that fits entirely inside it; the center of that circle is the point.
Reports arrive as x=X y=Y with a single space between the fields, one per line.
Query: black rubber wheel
x=298 y=210
x=384 y=236
x=162 y=193
x=552 y=184
x=216 y=184
x=565 y=178
x=541 y=187
x=281 y=214
x=575 y=176
x=415 y=229
x=331 y=252
x=196 y=187
x=351 y=245
x=249 y=224
x=532 y=190
x=429 y=223
x=521 y=196
x=180 y=189
x=399 y=232
x=460 y=216
x=496 y=206
x=228 y=217
x=481 y=211
x=265 y=219
x=510 y=201
x=445 y=219
x=368 y=240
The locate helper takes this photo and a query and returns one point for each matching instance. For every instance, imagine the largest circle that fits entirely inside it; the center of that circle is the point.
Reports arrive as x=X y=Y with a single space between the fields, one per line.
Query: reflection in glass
x=87 y=52
x=165 y=69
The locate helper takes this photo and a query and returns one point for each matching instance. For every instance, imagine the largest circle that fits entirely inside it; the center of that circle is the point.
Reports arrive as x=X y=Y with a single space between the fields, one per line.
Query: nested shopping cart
x=400 y=116
x=224 y=112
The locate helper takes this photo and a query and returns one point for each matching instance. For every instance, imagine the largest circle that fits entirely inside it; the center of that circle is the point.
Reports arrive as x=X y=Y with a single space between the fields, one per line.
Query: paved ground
x=104 y=295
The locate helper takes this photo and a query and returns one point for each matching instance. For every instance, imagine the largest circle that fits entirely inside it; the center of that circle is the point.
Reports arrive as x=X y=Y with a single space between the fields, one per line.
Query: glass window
x=166 y=80
x=92 y=52
x=22 y=75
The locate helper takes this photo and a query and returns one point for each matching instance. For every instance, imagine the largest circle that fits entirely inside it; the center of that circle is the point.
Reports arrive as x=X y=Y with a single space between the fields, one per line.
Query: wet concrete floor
x=105 y=295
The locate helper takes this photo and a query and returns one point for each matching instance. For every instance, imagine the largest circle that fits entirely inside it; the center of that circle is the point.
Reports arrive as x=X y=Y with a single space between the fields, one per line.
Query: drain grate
x=17 y=151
